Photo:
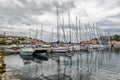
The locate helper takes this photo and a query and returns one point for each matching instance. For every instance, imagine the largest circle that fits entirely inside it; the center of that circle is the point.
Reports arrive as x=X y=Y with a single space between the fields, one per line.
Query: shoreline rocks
x=2 y=65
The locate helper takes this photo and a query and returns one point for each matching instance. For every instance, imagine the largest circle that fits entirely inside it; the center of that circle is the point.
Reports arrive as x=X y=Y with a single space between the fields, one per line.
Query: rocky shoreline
x=2 y=65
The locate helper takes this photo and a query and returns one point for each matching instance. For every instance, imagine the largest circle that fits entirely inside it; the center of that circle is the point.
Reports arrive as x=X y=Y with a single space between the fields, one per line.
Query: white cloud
x=16 y=14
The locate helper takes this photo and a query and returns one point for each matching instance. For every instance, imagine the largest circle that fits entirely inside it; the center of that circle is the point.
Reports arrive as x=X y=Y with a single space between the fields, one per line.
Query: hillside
x=8 y=40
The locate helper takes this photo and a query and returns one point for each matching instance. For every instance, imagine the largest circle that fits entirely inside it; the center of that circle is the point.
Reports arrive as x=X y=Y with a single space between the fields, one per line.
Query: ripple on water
x=84 y=66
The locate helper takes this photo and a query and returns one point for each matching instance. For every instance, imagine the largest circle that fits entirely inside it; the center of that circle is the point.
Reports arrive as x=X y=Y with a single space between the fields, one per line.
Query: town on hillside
x=9 y=40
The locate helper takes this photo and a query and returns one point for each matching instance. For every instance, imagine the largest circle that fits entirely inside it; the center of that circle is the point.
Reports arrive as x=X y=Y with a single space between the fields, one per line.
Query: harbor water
x=78 y=65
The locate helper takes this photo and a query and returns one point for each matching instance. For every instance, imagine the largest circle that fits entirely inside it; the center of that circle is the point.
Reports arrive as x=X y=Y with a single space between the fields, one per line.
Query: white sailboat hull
x=59 y=50
x=98 y=46
x=78 y=48
x=26 y=51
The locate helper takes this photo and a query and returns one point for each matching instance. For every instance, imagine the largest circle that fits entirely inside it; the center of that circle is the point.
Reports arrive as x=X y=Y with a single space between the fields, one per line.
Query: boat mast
x=109 y=39
x=52 y=34
x=98 y=34
x=91 y=32
x=4 y=35
x=29 y=35
x=36 y=35
x=88 y=32
x=80 y=32
x=63 y=30
x=84 y=33
x=58 y=38
x=94 y=31
x=76 y=31
x=69 y=27
x=41 y=30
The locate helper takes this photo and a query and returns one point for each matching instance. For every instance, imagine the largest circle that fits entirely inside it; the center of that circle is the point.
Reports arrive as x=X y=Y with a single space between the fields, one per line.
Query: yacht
x=59 y=49
x=26 y=51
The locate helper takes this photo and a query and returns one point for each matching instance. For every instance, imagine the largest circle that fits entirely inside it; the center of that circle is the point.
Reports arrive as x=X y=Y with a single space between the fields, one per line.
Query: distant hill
x=116 y=37
x=6 y=39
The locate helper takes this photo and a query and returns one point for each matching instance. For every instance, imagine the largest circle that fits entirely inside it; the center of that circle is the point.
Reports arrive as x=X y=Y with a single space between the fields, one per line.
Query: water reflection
x=66 y=66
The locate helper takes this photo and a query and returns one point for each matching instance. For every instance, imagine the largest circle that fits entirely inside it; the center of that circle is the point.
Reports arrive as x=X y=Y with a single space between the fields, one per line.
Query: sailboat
x=58 y=48
x=100 y=44
x=40 y=48
x=27 y=50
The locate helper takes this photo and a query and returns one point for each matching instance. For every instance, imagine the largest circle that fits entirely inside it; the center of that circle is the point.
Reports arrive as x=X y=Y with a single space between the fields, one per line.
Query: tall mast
x=76 y=30
x=109 y=39
x=94 y=31
x=63 y=30
x=29 y=34
x=36 y=35
x=79 y=31
x=84 y=33
x=52 y=34
x=41 y=30
x=87 y=32
x=98 y=33
x=58 y=38
x=69 y=27
x=91 y=32
x=4 y=37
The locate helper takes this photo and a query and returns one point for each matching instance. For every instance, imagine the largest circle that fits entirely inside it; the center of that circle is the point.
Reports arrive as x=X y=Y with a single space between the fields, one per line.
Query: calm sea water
x=95 y=65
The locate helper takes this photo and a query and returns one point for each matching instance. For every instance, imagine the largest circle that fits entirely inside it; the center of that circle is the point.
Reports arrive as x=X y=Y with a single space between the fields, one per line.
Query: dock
x=16 y=50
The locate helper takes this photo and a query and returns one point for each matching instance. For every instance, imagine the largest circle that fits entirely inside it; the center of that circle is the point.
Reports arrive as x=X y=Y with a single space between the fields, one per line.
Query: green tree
x=2 y=42
x=117 y=37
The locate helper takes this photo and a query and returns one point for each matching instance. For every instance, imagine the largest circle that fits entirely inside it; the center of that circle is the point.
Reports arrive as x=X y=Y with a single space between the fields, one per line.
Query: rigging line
x=63 y=30
x=62 y=26
x=73 y=29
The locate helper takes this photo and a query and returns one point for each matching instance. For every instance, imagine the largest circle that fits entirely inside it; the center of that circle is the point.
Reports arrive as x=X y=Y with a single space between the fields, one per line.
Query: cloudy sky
x=16 y=16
